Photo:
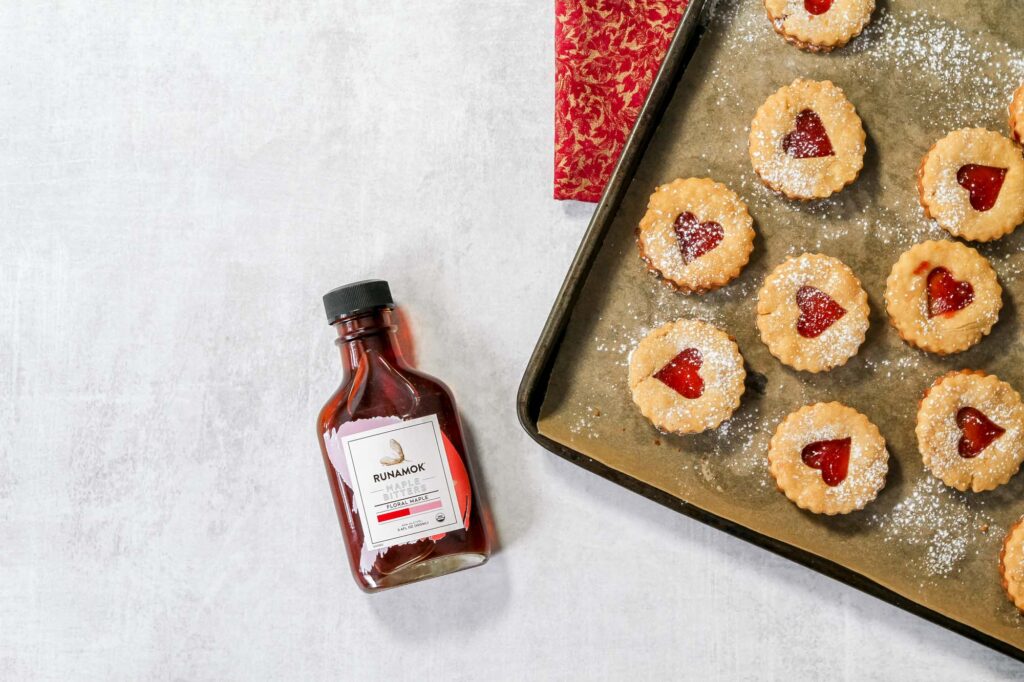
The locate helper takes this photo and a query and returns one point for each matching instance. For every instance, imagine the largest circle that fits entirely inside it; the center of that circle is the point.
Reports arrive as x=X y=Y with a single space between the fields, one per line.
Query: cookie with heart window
x=812 y=312
x=943 y=296
x=697 y=234
x=819 y=25
x=828 y=458
x=1011 y=564
x=686 y=376
x=970 y=430
x=971 y=182
x=807 y=141
x=1017 y=115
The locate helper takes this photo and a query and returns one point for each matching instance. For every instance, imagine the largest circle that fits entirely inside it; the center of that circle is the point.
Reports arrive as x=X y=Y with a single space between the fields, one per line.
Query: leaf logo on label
x=397 y=458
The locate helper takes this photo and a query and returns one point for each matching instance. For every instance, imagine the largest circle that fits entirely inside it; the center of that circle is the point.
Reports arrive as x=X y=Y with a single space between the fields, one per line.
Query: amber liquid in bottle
x=378 y=386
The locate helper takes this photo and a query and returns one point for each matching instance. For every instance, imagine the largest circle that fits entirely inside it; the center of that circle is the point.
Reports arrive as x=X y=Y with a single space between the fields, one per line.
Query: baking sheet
x=919 y=70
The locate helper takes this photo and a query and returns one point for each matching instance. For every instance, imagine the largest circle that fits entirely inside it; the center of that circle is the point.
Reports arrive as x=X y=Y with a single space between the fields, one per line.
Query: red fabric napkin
x=606 y=55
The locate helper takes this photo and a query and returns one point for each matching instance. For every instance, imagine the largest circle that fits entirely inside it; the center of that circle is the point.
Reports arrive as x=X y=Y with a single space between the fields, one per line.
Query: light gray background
x=179 y=183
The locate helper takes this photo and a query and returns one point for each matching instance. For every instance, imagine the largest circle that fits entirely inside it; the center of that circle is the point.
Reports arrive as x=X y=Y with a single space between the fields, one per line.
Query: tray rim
x=533 y=385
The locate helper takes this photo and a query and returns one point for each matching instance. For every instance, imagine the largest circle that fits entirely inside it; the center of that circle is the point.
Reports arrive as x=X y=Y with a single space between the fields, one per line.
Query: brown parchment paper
x=920 y=70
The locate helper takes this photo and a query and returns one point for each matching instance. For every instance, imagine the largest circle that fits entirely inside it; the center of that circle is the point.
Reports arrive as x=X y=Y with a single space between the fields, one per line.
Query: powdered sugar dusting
x=948 y=57
x=741 y=444
x=946 y=528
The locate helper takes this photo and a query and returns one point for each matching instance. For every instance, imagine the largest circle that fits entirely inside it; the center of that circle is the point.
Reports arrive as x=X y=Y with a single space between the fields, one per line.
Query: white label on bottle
x=401 y=482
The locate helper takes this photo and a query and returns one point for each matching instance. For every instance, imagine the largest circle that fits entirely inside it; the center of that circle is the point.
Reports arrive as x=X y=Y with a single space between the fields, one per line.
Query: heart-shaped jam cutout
x=682 y=374
x=818 y=311
x=817 y=6
x=946 y=295
x=832 y=457
x=979 y=431
x=983 y=183
x=808 y=140
x=696 y=238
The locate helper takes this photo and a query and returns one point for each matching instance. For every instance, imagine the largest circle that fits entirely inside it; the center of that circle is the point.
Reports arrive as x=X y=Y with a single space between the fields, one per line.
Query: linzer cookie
x=812 y=313
x=1017 y=115
x=1011 y=564
x=971 y=182
x=819 y=25
x=686 y=376
x=828 y=458
x=970 y=430
x=806 y=141
x=697 y=234
x=942 y=296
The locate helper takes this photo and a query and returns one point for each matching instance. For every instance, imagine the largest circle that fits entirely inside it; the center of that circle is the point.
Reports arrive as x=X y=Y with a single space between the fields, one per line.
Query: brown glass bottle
x=395 y=454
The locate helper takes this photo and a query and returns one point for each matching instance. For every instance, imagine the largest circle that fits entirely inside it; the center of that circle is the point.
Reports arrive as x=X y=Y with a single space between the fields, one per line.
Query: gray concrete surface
x=179 y=183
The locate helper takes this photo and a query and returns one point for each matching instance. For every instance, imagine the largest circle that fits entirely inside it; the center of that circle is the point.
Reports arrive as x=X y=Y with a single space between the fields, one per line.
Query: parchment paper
x=920 y=70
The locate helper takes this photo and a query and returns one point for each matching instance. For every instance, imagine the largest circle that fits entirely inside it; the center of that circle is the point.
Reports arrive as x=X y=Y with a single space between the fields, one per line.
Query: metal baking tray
x=919 y=70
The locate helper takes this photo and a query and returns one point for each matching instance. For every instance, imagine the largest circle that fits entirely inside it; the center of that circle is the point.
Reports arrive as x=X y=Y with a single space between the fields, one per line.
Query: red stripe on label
x=381 y=518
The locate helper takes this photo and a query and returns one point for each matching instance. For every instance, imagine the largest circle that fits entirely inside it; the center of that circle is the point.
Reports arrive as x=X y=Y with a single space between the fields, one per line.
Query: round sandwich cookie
x=686 y=376
x=828 y=458
x=819 y=25
x=1017 y=115
x=942 y=296
x=971 y=182
x=970 y=430
x=806 y=140
x=697 y=234
x=1011 y=564
x=812 y=312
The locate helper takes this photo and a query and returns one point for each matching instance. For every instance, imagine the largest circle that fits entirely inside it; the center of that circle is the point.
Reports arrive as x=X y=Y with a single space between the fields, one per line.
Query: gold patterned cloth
x=606 y=55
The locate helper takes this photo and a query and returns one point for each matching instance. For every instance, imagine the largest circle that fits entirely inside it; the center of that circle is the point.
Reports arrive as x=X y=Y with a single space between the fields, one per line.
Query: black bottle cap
x=356 y=297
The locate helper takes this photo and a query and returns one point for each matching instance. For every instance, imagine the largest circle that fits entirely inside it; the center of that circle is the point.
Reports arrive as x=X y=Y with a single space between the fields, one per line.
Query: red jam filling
x=832 y=457
x=983 y=183
x=922 y=267
x=817 y=6
x=696 y=238
x=947 y=295
x=979 y=432
x=808 y=140
x=682 y=374
x=818 y=311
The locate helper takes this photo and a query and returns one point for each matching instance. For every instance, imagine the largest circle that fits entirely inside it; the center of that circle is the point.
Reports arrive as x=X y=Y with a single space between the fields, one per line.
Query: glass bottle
x=395 y=454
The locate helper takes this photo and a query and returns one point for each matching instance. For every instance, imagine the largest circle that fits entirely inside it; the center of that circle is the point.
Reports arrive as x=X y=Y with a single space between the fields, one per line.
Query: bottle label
x=402 y=482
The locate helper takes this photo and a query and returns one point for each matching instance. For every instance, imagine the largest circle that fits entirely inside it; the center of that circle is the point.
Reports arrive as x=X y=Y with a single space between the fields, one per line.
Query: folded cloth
x=606 y=55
